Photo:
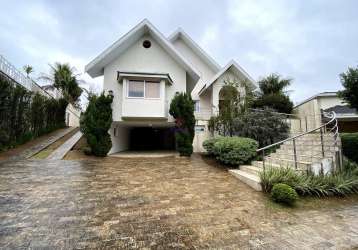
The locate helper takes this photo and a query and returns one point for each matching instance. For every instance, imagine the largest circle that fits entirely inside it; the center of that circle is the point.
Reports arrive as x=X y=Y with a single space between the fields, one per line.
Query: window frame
x=144 y=89
x=197 y=104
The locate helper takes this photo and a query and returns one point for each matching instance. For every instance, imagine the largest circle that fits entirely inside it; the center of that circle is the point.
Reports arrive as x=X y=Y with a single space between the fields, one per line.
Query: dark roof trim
x=141 y=74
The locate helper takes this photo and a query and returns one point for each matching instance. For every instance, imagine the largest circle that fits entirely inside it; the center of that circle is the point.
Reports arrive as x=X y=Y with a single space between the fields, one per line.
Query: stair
x=308 y=154
x=251 y=179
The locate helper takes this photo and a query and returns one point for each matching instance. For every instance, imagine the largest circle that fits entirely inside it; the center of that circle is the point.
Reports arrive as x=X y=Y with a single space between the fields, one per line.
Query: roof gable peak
x=181 y=34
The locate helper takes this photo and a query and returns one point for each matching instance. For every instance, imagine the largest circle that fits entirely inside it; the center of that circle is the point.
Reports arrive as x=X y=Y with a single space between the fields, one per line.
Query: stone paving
x=164 y=203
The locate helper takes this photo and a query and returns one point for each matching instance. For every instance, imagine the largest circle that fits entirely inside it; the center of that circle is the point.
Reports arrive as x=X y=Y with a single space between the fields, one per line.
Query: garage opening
x=149 y=138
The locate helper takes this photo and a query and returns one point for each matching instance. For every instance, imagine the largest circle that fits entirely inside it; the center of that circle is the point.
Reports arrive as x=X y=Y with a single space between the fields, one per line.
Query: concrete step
x=259 y=164
x=250 y=179
x=287 y=163
x=251 y=169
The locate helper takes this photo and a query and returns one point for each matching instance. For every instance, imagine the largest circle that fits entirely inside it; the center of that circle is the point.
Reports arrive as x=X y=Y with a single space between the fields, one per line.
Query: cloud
x=311 y=42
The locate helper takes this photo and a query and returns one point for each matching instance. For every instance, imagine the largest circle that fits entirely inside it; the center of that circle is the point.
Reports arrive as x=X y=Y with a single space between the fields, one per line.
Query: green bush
x=266 y=126
x=209 y=144
x=232 y=150
x=25 y=114
x=350 y=145
x=182 y=109
x=283 y=193
x=184 y=143
x=95 y=123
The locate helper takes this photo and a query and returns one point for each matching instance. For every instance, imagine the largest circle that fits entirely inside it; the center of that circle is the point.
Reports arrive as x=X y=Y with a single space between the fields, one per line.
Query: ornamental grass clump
x=340 y=183
x=283 y=193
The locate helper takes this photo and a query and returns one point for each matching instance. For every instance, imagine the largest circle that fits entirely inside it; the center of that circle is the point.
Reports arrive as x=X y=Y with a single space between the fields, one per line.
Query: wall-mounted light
x=110 y=93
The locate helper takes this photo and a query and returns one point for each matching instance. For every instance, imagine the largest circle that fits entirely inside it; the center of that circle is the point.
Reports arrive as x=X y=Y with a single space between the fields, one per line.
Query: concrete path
x=27 y=153
x=62 y=150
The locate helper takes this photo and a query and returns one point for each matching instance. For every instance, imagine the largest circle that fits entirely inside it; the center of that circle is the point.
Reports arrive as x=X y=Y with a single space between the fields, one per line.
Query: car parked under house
x=143 y=70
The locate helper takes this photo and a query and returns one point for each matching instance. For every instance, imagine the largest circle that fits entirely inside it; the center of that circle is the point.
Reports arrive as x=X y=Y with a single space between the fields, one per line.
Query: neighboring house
x=73 y=114
x=143 y=70
x=310 y=110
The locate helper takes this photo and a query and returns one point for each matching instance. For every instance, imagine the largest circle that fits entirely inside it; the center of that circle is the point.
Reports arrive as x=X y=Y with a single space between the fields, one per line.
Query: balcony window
x=136 y=89
x=152 y=89
x=143 y=89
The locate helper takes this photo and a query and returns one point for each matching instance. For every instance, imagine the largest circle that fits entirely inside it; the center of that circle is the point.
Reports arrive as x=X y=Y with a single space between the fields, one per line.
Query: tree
x=182 y=109
x=63 y=78
x=272 y=94
x=28 y=70
x=95 y=123
x=349 y=81
x=266 y=126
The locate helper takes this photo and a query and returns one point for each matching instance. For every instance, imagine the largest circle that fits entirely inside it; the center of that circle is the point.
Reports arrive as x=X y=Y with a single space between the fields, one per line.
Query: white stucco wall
x=311 y=111
x=206 y=73
x=120 y=141
x=229 y=75
x=138 y=59
x=326 y=102
x=72 y=116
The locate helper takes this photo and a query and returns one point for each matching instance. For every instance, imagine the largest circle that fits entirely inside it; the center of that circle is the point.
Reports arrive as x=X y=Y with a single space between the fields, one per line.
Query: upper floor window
x=196 y=106
x=136 y=89
x=143 y=89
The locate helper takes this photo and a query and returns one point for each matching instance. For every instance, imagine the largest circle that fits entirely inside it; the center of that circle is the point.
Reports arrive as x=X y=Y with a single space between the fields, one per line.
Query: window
x=141 y=89
x=196 y=106
x=147 y=44
x=152 y=90
x=136 y=89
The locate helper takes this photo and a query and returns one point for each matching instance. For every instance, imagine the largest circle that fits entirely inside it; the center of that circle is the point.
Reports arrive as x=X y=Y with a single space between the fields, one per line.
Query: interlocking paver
x=155 y=204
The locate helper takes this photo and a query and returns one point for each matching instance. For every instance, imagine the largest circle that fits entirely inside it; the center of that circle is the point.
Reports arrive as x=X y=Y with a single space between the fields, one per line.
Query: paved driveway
x=159 y=204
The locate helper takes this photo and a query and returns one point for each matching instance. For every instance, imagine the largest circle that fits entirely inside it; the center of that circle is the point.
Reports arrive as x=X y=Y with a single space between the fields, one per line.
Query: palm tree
x=28 y=70
x=272 y=94
x=64 y=78
x=274 y=84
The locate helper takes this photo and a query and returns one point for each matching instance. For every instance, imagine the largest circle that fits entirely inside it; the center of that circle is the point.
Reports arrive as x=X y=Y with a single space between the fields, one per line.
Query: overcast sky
x=309 y=41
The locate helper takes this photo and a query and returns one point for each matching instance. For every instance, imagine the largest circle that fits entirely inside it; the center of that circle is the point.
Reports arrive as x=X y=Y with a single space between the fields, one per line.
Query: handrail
x=296 y=136
x=323 y=129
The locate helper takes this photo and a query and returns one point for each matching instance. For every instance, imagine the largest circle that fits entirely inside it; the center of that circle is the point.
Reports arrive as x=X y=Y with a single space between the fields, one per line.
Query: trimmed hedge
x=231 y=150
x=25 y=115
x=350 y=145
x=283 y=193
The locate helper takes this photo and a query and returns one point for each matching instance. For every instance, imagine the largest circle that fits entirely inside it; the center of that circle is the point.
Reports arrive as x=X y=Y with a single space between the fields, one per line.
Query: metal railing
x=17 y=76
x=327 y=130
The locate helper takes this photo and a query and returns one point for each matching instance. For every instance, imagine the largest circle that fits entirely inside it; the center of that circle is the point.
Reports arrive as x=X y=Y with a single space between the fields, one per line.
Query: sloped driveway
x=156 y=204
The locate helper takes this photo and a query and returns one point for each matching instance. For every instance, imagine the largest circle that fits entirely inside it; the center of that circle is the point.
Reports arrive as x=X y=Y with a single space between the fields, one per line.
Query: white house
x=144 y=69
x=310 y=111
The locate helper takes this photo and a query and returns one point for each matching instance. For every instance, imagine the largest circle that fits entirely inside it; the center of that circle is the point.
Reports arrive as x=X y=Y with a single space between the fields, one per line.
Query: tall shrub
x=264 y=126
x=182 y=109
x=24 y=114
x=95 y=123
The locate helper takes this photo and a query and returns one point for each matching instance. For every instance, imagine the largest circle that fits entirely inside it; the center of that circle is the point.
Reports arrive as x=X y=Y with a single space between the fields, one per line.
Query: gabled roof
x=323 y=94
x=236 y=67
x=179 y=33
x=96 y=66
